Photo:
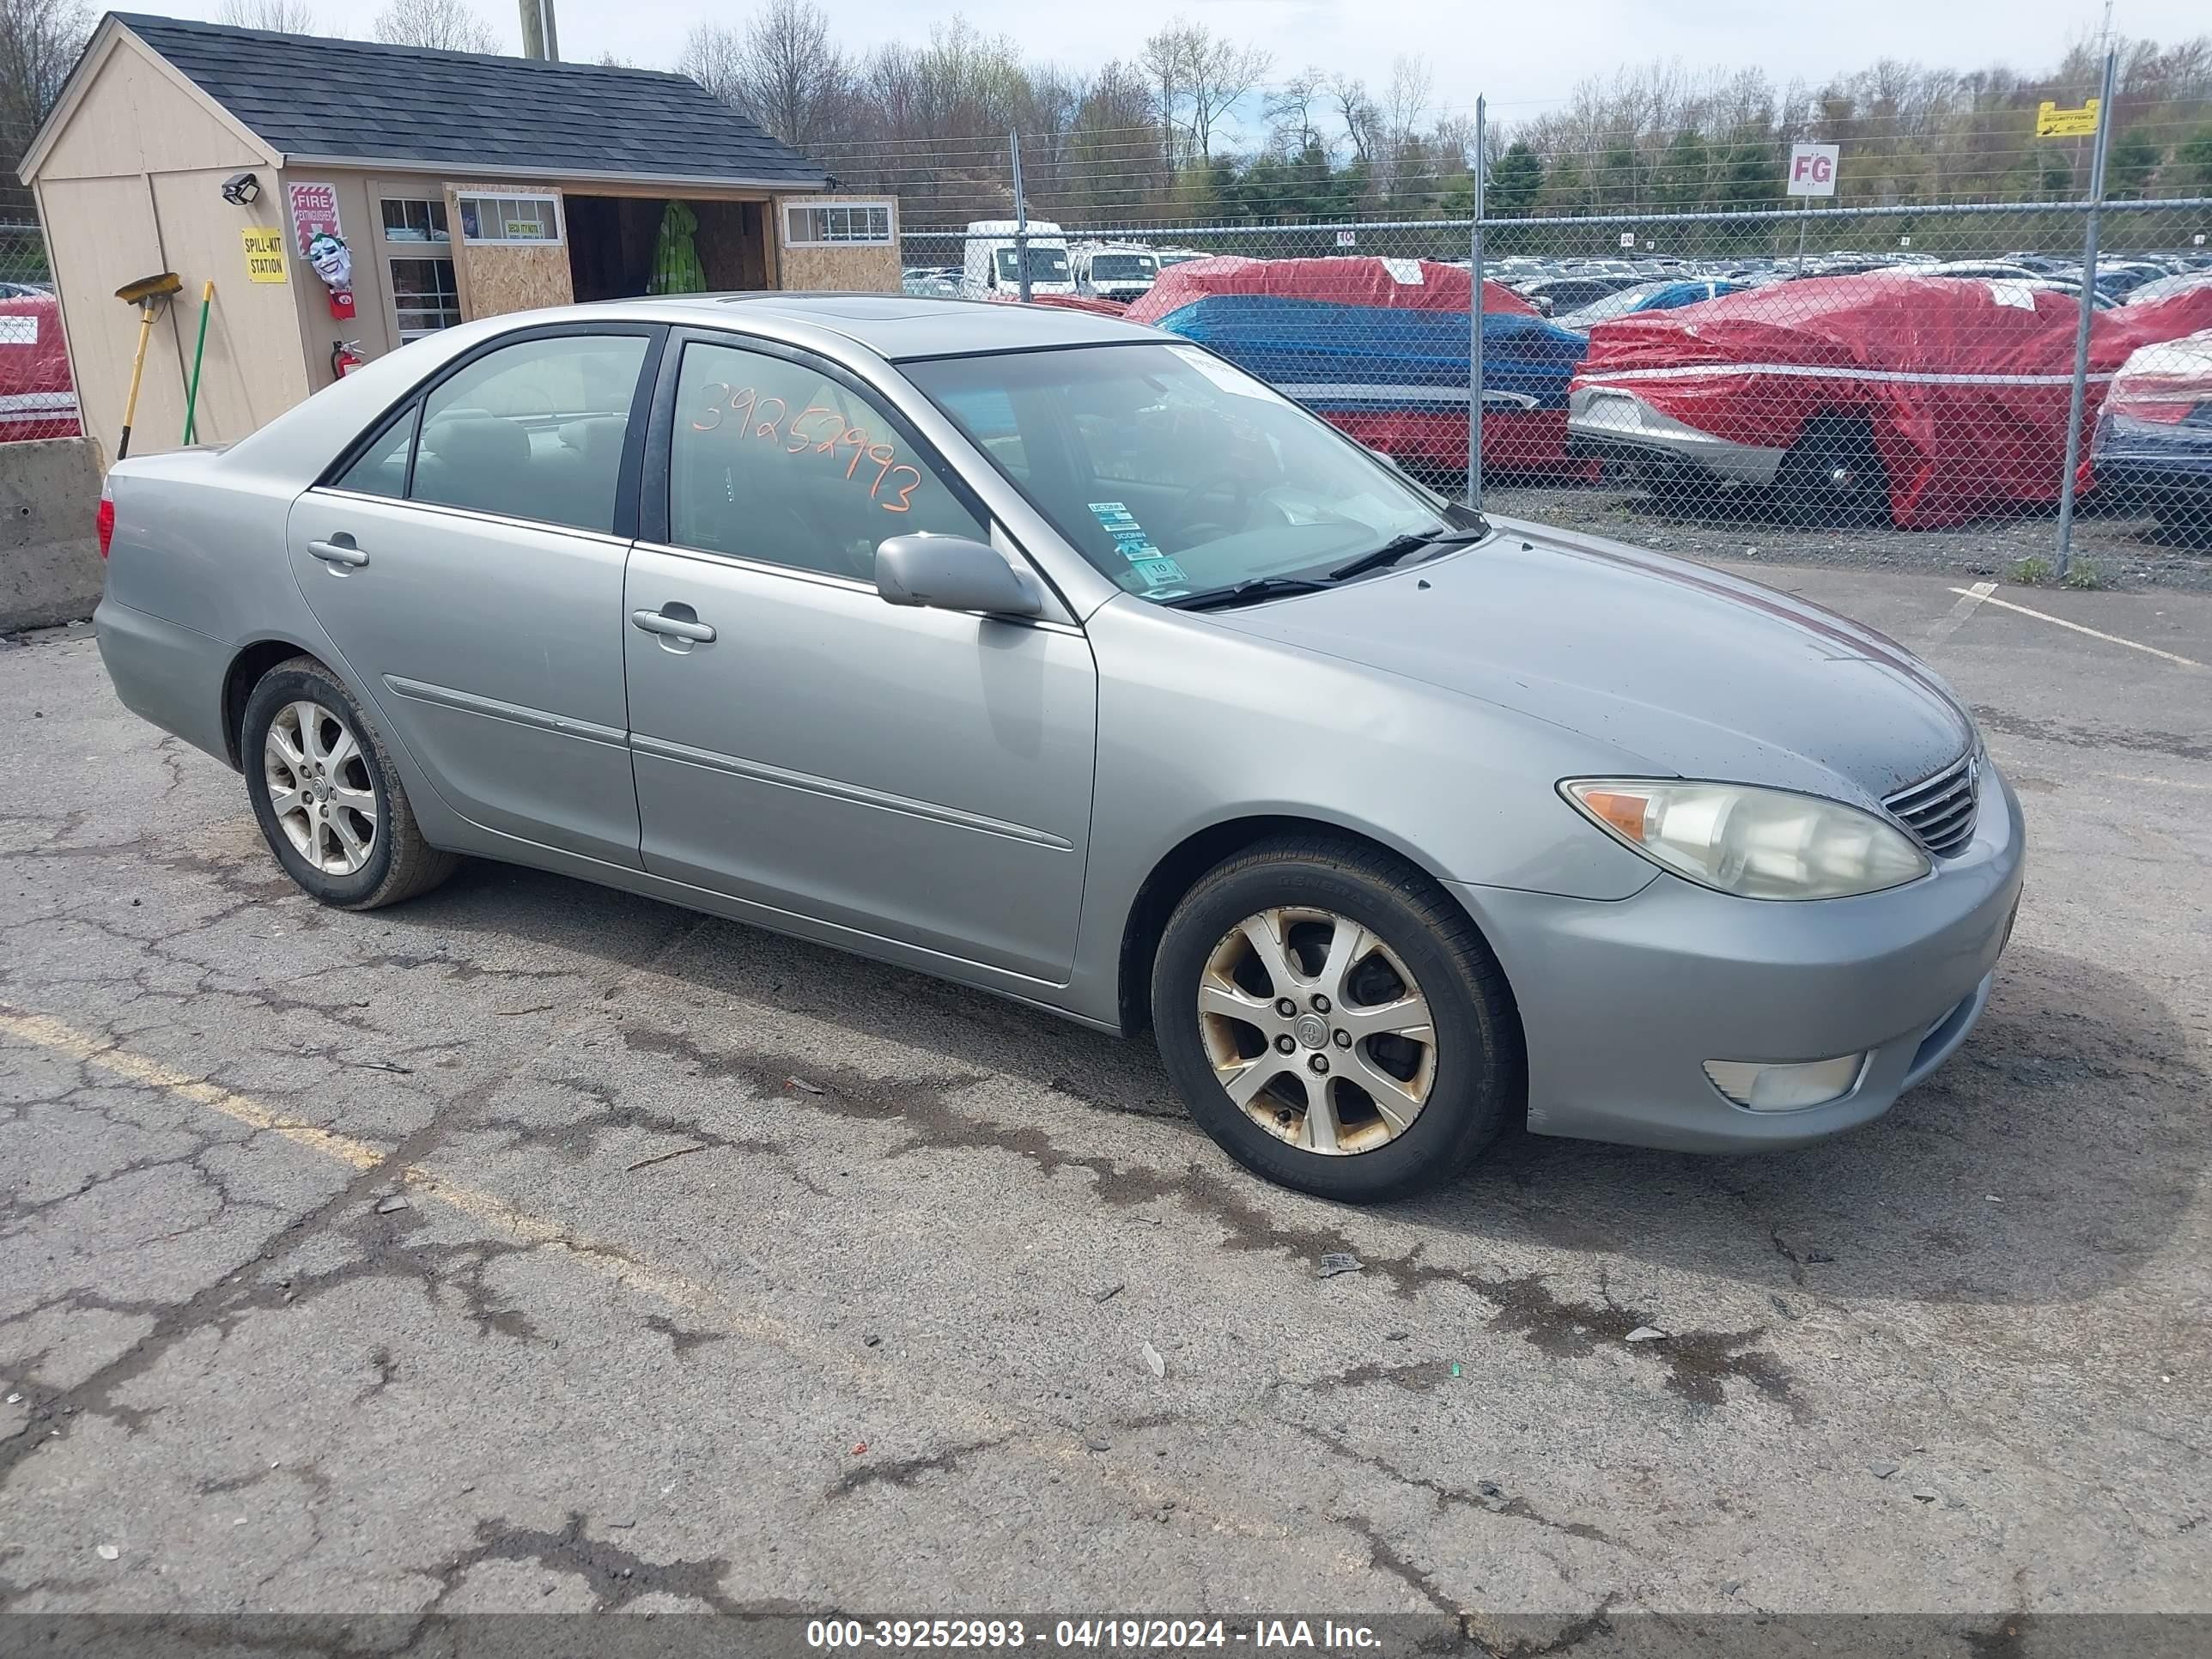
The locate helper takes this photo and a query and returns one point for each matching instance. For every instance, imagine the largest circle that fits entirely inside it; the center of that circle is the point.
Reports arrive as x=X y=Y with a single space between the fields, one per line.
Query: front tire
x=1833 y=475
x=1335 y=1021
x=329 y=802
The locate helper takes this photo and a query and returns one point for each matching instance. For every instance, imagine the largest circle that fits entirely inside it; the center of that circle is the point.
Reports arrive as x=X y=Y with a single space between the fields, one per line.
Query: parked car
x=38 y=399
x=1380 y=349
x=931 y=282
x=992 y=264
x=1917 y=400
x=2154 y=444
x=1115 y=272
x=1555 y=295
x=1666 y=296
x=2151 y=294
x=1171 y=706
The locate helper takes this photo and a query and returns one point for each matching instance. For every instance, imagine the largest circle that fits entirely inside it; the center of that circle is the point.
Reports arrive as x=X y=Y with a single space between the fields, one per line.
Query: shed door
x=510 y=247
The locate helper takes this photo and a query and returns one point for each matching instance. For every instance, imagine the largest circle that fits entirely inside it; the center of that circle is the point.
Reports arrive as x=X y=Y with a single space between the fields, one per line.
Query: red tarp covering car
x=36 y=398
x=1963 y=383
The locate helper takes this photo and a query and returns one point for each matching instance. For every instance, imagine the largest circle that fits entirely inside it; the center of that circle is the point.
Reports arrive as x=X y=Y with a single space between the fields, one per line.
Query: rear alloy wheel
x=319 y=790
x=329 y=803
x=1334 y=1020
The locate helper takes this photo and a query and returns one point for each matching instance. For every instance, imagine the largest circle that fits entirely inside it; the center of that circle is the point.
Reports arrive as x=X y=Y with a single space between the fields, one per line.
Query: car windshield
x=1177 y=474
x=1121 y=267
x=1047 y=264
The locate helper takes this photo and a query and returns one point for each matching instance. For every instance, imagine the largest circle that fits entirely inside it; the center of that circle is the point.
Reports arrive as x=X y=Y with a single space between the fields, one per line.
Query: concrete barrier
x=49 y=569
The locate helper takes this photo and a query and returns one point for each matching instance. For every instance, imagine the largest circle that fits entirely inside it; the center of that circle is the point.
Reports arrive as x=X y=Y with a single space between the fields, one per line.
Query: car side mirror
x=952 y=573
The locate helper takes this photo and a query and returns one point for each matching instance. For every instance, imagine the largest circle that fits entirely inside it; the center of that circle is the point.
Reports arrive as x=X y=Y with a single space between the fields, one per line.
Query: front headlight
x=1754 y=843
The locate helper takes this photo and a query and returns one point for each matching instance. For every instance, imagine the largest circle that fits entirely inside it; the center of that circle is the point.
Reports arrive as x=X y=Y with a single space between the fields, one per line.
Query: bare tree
x=1201 y=76
x=441 y=25
x=714 y=56
x=784 y=71
x=40 y=40
x=277 y=16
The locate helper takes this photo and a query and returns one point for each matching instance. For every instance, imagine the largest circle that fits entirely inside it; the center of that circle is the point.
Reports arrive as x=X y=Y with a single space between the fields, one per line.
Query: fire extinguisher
x=345 y=357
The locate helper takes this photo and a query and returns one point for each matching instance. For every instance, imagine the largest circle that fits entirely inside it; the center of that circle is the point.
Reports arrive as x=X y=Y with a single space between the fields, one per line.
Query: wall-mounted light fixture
x=242 y=189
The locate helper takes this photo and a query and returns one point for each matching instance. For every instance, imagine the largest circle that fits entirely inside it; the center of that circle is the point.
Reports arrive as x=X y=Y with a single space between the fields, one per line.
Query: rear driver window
x=534 y=430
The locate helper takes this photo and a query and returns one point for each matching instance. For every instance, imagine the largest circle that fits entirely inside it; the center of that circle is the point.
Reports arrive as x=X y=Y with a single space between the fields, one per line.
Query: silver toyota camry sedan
x=1062 y=658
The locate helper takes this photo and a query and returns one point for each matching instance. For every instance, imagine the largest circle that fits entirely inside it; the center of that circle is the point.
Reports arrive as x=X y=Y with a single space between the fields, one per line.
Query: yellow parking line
x=517 y=1225
x=678 y=1290
x=2061 y=622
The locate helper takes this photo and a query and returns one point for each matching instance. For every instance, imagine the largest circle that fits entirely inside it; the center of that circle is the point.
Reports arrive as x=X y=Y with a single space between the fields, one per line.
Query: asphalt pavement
x=533 y=1246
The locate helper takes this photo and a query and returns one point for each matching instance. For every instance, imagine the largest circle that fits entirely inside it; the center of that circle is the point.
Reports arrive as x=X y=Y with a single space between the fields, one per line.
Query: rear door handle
x=337 y=553
x=676 y=626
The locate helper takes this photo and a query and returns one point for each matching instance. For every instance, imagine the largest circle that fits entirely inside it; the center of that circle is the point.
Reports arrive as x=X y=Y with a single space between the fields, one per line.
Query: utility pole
x=538 y=38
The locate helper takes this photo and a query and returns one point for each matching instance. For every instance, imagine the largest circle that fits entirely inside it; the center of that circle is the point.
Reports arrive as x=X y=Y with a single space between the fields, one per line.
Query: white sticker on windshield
x=1407 y=273
x=1228 y=377
x=2019 y=295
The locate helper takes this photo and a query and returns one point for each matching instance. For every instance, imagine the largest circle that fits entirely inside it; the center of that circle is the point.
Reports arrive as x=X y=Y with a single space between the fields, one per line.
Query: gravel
x=2125 y=552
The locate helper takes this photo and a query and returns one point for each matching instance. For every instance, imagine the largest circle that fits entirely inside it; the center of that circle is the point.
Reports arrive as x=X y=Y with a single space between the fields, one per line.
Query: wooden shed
x=459 y=185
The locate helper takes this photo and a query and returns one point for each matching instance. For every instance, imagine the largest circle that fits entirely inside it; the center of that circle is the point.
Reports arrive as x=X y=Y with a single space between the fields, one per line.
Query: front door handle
x=681 y=628
x=337 y=553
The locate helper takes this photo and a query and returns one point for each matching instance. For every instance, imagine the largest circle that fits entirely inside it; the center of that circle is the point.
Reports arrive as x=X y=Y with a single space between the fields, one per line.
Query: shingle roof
x=310 y=96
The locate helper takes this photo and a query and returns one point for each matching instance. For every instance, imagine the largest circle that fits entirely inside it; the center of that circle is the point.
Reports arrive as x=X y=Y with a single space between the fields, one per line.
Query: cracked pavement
x=533 y=1246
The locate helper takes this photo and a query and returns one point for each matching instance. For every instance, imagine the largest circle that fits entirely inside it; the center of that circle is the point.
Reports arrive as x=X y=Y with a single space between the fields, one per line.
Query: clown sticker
x=322 y=244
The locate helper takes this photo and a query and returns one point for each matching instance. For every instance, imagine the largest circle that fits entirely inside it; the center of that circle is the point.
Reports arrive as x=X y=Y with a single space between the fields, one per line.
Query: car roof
x=895 y=327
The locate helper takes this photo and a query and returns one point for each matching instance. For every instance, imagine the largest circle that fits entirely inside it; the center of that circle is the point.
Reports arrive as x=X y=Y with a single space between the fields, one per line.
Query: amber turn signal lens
x=1623 y=813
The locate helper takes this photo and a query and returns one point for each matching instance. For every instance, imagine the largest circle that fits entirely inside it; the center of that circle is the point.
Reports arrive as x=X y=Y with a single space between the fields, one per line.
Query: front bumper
x=1606 y=423
x=1622 y=1003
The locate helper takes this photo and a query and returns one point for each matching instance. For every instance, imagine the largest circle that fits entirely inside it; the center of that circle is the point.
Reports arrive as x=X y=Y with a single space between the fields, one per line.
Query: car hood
x=1685 y=670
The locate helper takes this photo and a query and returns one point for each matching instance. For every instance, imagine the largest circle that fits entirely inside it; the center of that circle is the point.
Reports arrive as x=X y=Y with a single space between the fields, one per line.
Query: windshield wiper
x=1260 y=587
x=1399 y=546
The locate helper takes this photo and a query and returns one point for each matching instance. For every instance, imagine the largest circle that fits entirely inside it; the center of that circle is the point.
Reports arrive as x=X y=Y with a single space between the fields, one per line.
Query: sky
x=1525 y=58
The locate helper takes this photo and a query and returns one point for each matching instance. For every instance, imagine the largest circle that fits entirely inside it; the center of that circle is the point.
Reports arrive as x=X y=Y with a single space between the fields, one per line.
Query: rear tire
x=1833 y=475
x=1401 y=1055
x=324 y=792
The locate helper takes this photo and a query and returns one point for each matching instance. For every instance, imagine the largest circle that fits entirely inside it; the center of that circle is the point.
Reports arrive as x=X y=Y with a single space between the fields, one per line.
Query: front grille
x=1940 y=810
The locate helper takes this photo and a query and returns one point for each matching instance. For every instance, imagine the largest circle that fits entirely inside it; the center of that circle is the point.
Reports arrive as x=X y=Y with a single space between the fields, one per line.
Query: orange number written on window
x=817 y=430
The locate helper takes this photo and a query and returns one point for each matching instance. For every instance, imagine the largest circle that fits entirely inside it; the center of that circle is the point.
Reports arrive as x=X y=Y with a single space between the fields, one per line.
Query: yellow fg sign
x=264 y=253
x=2052 y=122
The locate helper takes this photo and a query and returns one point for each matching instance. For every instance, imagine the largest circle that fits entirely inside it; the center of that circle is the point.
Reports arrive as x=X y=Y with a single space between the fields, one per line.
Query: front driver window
x=773 y=460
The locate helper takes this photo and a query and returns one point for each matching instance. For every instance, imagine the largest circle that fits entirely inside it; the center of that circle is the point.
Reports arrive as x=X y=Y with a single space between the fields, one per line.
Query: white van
x=1110 y=271
x=992 y=272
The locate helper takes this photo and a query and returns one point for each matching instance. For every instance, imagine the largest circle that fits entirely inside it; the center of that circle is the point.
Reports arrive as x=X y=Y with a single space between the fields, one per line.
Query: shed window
x=425 y=298
x=837 y=224
x=414 y=220
x=486 y=218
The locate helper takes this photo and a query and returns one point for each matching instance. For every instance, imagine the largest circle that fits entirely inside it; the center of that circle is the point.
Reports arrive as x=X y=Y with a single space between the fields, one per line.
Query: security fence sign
x=2052 y=122
x=1812 y=169
x=1347 y=239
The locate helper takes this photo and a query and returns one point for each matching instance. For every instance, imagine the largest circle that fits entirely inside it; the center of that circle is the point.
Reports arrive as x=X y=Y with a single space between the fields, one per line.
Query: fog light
x=1785 y=1088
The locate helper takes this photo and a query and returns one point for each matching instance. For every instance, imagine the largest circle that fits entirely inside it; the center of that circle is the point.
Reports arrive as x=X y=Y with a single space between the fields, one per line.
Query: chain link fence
x=37 y=399
x=2027 y=384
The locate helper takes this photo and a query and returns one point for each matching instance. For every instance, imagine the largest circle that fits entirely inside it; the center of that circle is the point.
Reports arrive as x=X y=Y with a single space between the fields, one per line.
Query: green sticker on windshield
x=1158 y=572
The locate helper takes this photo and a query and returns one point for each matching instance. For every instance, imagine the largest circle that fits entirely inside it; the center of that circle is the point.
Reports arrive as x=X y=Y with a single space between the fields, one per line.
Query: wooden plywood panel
x=867 y=270
x=496 y=278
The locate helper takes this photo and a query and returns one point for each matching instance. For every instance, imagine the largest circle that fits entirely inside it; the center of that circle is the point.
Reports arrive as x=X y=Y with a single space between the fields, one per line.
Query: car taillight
x=103 y=520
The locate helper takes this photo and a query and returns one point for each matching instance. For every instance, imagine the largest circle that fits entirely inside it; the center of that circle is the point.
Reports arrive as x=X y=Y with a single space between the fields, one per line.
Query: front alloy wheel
x=1335 y=1019
x=1317 y=1030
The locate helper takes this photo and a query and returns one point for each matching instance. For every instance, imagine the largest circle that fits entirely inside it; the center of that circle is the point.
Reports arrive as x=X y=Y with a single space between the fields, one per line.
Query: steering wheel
x=1184 y=512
